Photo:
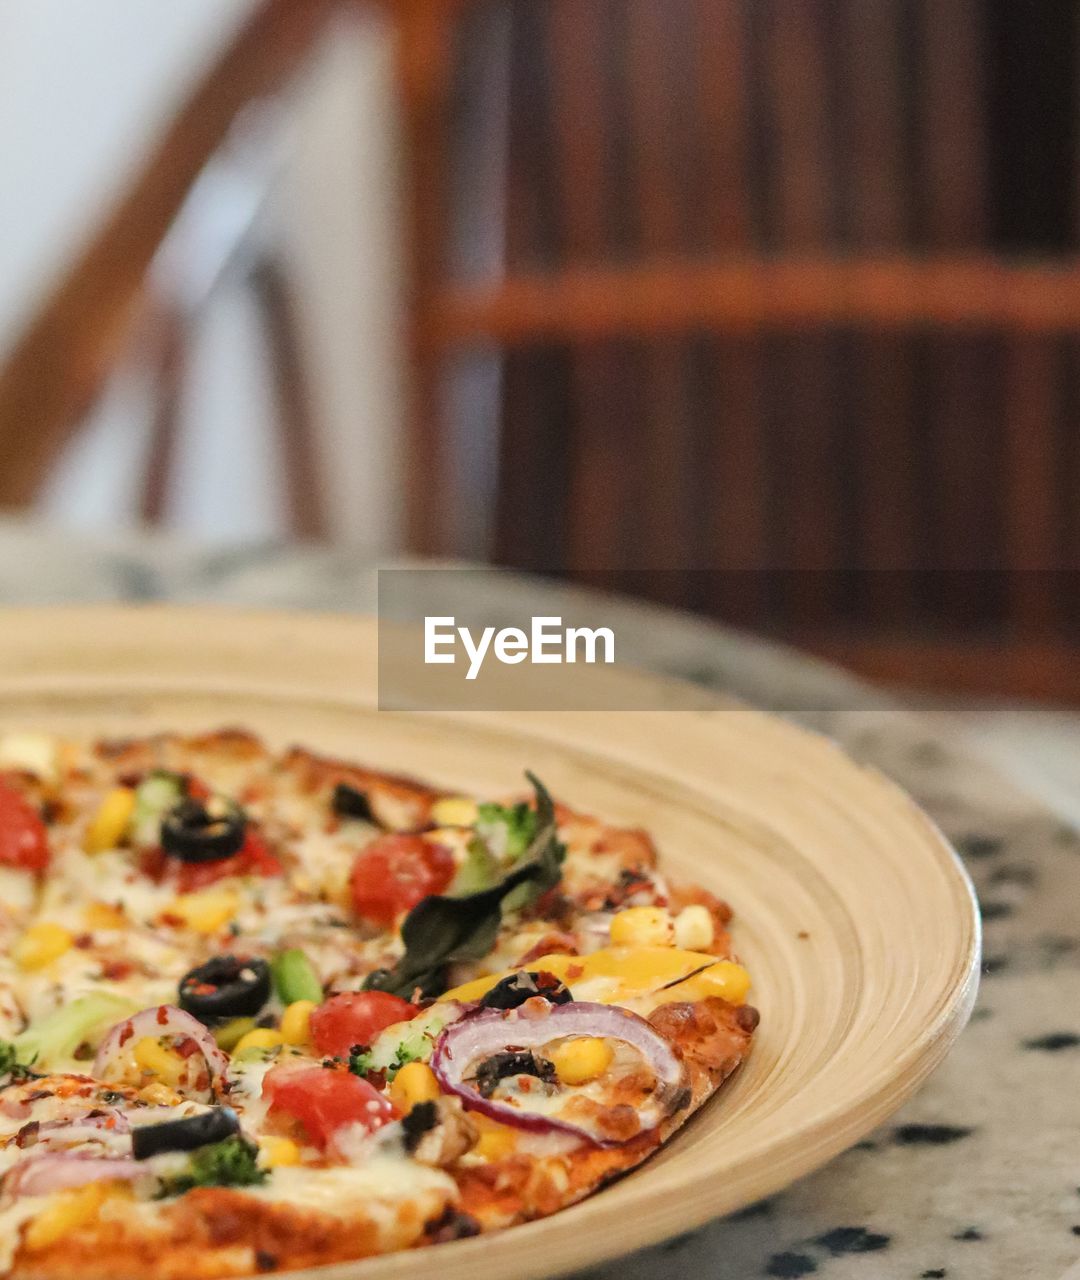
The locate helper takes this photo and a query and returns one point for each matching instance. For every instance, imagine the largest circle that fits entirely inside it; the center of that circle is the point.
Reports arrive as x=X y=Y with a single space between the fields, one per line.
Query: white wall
x=84 y=87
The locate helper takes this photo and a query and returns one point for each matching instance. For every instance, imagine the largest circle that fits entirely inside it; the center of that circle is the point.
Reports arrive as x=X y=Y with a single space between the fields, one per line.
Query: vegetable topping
x=474 y=1055
x=439 y=930
x=165 y=1021
x=516 y=988
x=58 y=1171
x=295 y=977
x=23 y=843
x=203 y=831
x=394 y=873
x=323 y=1101
x=356 y=1018
x=349 y=802
x=515 y=1062
x=226 y=987
x=186 y=1134
x=229 y=1163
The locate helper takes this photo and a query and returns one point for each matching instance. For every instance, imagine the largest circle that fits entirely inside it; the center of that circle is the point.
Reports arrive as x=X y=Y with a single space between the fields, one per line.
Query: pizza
x=263 y=1010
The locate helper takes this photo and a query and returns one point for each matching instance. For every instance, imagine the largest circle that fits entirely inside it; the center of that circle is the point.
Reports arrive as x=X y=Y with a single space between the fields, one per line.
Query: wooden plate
x=852 y=913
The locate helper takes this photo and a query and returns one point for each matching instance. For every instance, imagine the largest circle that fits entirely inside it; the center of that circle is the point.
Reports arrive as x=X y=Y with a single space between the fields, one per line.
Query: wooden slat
x=56 y=370
x=736 y=494
x=581 y=122
x=653 y=76
x=723 y=113
x=1068 y=485
x=303 y=474
x=1032 y=518
x=952 y=127
x=164 y=353
x=888 y=293
x=808 y=469
x=886 y=474
x=665 y=517
x=531 y=499
x=877 y=186
x=604 y=461
x=601 y=478
x=665 y=538
x=423 y=50
x=797 y=90
x=733 y=492
x=531 y=230
x=964 y=476
x=872 y=156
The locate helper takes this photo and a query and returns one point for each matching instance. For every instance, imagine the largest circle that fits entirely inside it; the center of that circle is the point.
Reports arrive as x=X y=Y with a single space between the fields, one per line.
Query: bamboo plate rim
x=854 y=1016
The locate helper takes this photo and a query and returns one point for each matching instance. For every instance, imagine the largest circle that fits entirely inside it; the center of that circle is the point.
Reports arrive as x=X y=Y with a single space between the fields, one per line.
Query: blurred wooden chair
x=751 y=320
x=118 y=293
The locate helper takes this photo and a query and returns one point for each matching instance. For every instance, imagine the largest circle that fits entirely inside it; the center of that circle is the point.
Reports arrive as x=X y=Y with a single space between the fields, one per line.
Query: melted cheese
x=625 y=974
x=378 y=1189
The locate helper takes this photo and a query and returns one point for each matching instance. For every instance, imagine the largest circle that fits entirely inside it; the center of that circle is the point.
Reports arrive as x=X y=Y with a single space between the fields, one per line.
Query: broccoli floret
x=229 y=1163
x=362 y=1060
x=12 y=1070
x=507 y=829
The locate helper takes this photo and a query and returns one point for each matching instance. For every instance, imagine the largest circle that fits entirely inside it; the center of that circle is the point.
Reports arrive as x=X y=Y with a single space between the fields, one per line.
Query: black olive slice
x=415 y=1123
x=349 y=802
x=195 y=831
x=225 y=987
x=514 y=1062
x=184 y=1135
x=516 y=988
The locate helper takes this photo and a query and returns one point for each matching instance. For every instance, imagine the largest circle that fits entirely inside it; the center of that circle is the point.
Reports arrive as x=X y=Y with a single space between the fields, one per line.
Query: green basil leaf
x=442 y=929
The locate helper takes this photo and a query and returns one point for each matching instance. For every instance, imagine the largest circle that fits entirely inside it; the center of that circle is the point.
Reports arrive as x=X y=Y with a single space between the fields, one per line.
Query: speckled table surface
x=979 y=1176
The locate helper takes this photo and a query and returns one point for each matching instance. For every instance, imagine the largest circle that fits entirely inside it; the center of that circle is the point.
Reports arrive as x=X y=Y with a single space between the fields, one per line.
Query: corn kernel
x=694 y=929
x=414 y=1083
x=102 y=915
x=642 y=927
x=109 y=825
x=69 y=1211
x=276 y=1152
x=206 y=912
x=454 y=811
x=152 y=1056
x=580 y=1060
x=260 y=1038
x=496 y=1141
x=296 y=1022
x=41 y=944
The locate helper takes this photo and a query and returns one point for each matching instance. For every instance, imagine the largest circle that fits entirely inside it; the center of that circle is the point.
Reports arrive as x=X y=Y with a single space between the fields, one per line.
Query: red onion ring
x=478 y=1036
x=99 y=1125
x=107 y=1118
x=165 y=1020
x=42 y=1175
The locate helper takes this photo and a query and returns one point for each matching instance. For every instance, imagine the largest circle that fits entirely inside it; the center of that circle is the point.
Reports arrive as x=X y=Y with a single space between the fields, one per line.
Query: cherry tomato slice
x=23 y=841
x=356 y=1017
x=323 y=1101
x=394 y=873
